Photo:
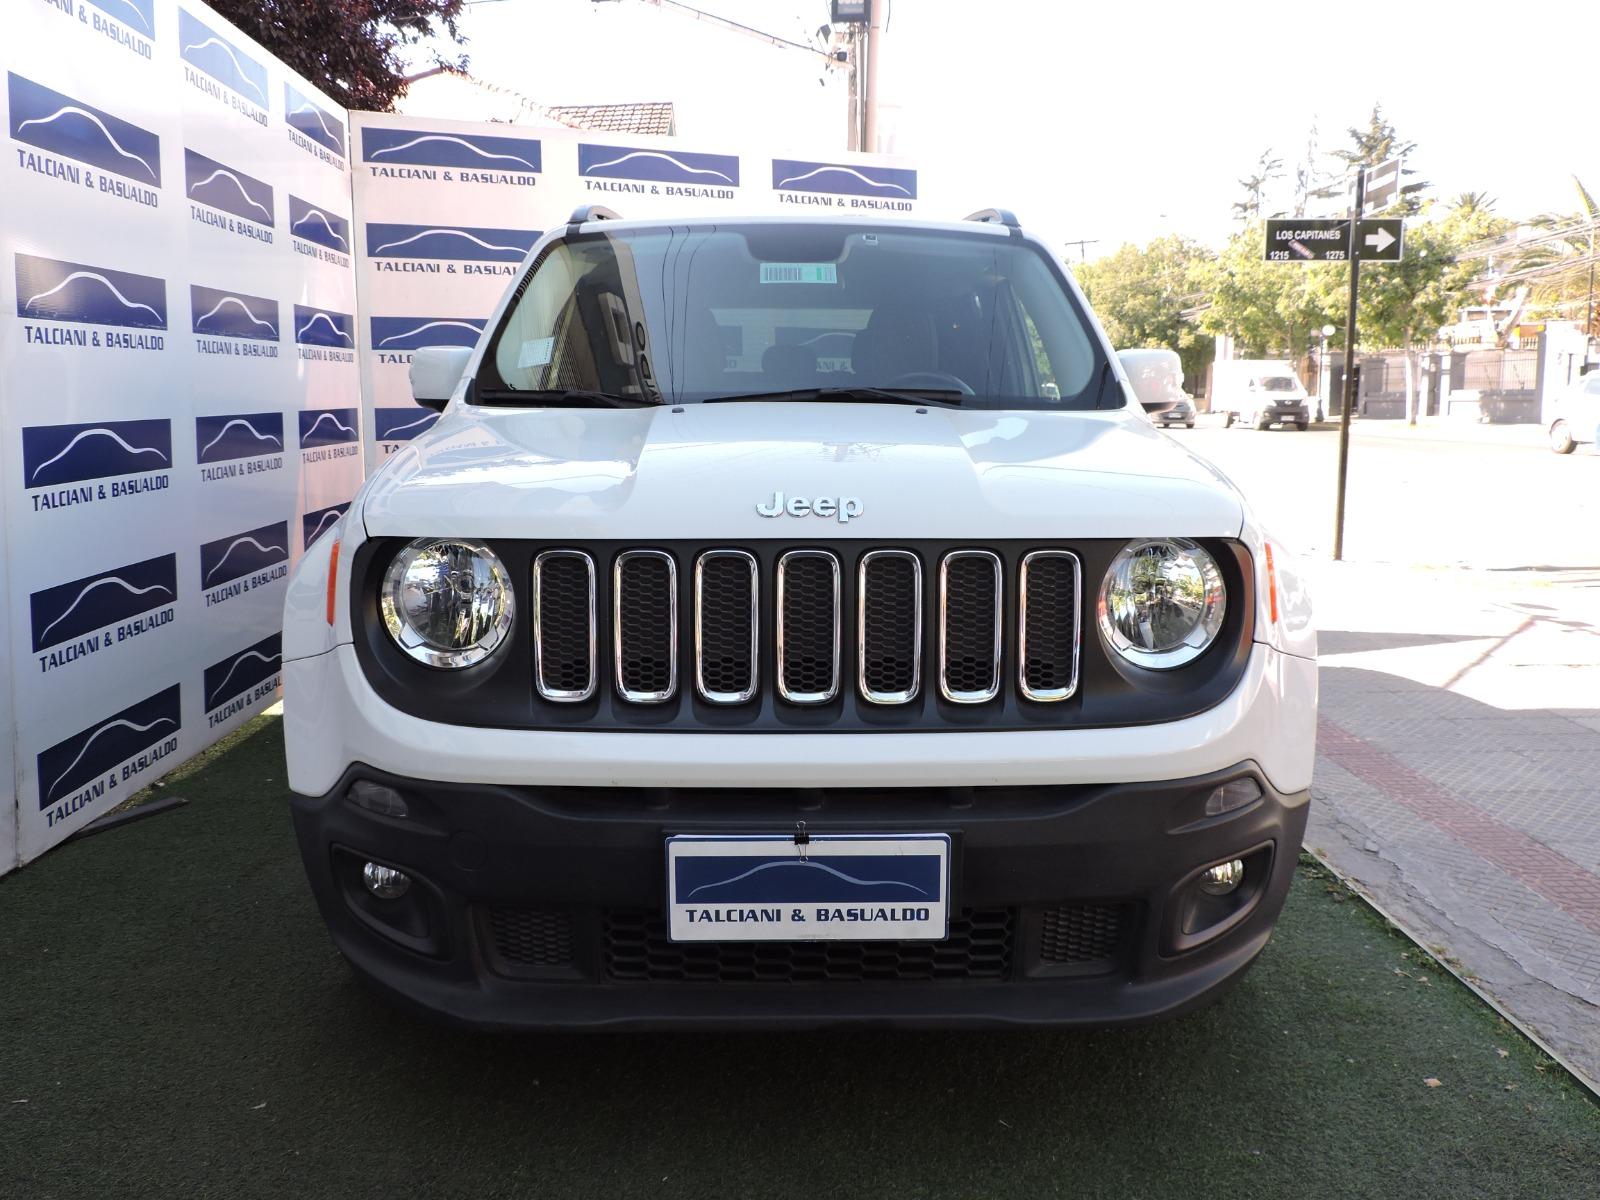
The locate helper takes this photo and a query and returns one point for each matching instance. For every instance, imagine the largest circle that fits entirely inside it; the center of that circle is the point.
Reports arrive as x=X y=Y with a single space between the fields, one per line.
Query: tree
x=1377 y=143
x=1268 y=169
x=1141 y=295
x=1270 y=308
x=348 y=48
x=1558 y=260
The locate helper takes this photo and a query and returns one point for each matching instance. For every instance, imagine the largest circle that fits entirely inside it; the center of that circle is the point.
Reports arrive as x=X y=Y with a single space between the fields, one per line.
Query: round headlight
x=447 y=602
x=1162 y=603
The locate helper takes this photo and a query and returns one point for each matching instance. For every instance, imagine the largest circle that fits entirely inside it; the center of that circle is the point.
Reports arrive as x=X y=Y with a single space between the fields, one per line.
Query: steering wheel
x=932 y=380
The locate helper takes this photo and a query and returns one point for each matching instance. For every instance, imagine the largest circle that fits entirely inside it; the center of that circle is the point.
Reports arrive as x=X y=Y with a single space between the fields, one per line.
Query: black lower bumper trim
x=542 y=908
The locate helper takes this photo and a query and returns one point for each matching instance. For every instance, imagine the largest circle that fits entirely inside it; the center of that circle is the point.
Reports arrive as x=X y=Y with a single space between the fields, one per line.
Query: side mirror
x=435 y=372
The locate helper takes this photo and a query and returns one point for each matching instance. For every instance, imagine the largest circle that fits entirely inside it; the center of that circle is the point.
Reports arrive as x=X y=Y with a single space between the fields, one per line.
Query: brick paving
x=1458 y=760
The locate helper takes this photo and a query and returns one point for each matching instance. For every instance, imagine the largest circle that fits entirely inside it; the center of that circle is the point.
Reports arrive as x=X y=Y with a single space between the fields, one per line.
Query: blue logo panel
x=92 y=752
x=53 y=290
x=412 y=333
x=220 y=438
x=820 y=877
x=312 y=121
x=401 y=424
x=460 y=243
x=883 y=183
x=657 y=166
x=137 y=15
x=226 y=188
x=70 y=610
x=233 y=314
x=241 y=671
x=54 y=454
x=327 y=427
x=314 y=524
x=313 y=224
x=205 y=50
x=469 y=151
x=323 y=327
x=61 y=125
x=230 y=558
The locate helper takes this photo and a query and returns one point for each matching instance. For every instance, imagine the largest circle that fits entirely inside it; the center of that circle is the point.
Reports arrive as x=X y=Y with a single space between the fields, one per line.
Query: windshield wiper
x=569 y=397
x=945 y=397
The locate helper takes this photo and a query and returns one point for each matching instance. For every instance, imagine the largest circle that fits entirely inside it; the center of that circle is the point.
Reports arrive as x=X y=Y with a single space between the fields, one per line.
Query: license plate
x=837 y=887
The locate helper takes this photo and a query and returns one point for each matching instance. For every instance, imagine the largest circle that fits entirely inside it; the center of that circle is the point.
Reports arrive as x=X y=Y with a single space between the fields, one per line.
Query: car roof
x=622 y=224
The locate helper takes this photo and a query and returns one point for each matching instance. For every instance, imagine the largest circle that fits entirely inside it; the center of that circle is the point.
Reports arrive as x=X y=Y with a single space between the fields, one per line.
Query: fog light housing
x=385 y=882
x=1219 y=880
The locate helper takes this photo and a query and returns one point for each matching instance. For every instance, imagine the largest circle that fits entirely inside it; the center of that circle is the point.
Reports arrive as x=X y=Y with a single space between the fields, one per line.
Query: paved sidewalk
x=1457 y=771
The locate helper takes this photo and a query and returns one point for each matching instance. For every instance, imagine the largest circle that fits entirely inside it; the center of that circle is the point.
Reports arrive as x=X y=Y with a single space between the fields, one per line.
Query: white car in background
x=685 y=675
x=1157 y=379
x=1576 y=415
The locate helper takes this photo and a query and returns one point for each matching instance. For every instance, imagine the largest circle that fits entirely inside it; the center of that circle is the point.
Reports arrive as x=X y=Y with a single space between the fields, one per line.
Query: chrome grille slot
x=969 y=626
x=645 y=626
x=808 y=626
x=564 y=625
x=1049 y=625
x=726 y=626
x=889 y=626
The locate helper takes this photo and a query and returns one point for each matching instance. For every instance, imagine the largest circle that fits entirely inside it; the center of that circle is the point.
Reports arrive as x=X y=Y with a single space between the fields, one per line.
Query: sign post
x=1354 y=239
x=1348 y=391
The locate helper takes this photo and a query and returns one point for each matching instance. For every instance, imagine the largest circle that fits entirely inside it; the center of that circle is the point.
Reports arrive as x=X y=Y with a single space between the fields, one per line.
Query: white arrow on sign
x=1380 y=240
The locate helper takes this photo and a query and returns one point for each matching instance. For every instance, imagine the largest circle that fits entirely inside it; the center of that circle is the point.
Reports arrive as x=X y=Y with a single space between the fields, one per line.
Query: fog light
x=375 y=797
x=1232 y=795
x=1214 y=881
x=388 y=884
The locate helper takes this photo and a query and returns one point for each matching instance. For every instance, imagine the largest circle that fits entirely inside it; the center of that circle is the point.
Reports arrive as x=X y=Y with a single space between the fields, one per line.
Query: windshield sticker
x=799 y=273
x=536 y=353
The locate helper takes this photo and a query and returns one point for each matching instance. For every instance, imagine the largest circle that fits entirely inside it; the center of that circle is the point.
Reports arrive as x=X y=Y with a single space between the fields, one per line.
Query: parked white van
x=1259 y=392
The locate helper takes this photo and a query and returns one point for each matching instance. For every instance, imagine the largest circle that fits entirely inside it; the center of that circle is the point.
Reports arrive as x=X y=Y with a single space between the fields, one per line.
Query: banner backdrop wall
x=178 y=386
x=447 y=210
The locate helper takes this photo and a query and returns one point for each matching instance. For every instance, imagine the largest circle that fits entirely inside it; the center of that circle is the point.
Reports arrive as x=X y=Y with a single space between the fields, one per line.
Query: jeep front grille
x=822 y=623
x=645 y=631
x=564 y=625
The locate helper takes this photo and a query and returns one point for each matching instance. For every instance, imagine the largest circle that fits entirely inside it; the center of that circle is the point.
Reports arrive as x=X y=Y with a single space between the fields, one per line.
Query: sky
x=1117 y=122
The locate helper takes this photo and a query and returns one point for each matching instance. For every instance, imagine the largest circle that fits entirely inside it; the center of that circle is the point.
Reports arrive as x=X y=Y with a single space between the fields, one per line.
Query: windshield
x=1280 y=383
x=686 y=315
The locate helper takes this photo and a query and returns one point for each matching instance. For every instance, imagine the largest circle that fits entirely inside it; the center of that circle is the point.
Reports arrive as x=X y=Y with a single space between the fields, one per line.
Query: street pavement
x=1460 y=734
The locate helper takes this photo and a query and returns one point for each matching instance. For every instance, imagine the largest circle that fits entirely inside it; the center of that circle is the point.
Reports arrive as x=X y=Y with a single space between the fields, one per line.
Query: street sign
x=1307 y=239
x=1381 y=239
x=1383 y=186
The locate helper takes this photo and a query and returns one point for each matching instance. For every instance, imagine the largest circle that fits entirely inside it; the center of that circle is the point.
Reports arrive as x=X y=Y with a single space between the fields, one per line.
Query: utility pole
x=1083 y=245
x=1349 y=388
x=869 y=121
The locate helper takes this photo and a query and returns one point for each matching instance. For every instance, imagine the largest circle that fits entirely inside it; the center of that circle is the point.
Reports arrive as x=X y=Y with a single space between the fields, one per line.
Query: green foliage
x=348 y=48
x=1377 y=143
x=1140 y=295
x=1270 y=309
x=1268 y=168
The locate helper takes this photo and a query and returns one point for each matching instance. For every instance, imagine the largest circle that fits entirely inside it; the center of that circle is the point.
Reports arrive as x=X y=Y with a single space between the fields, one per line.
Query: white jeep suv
x=793 y=622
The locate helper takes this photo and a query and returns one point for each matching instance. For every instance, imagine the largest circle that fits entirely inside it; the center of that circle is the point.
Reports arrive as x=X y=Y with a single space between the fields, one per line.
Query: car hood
x=701 y=471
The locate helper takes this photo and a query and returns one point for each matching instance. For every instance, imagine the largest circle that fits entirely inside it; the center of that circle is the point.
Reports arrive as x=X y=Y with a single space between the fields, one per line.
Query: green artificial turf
x=175 y=1022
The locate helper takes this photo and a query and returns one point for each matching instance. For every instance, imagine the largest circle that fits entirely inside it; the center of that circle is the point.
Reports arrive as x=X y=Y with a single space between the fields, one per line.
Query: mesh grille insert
x=530 y=938
x=564 y=624
x=646 y=626
x=1082 y=933
x=637 y=949
x=808 y=634
x=891 y=626
x=1050 y=625
x=971 y=626
x=725 y=599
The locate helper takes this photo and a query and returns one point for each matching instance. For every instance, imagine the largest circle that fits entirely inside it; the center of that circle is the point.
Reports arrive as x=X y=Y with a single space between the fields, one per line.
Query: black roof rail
x=995 y=216
x=585 y=213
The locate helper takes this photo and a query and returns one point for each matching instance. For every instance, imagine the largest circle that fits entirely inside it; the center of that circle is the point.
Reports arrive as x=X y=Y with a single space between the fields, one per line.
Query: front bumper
x=1285 y=412
x=532 y=904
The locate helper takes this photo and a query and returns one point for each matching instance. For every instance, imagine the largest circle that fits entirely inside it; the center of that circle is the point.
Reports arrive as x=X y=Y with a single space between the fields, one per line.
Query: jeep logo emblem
x=844 y=507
